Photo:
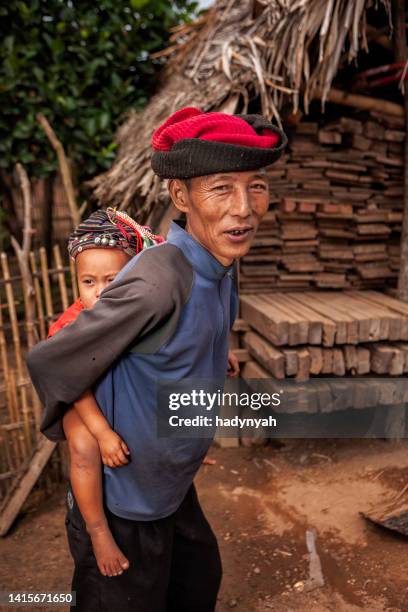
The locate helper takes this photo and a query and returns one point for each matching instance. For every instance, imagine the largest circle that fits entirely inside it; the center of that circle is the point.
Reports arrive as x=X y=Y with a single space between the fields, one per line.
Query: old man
x=167 y=316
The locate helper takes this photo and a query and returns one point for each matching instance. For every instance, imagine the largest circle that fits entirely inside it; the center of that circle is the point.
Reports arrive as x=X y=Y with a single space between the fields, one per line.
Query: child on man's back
x=100 y=246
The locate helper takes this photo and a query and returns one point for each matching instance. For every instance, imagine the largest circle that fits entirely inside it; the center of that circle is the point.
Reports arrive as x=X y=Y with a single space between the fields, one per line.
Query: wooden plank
x=368 y=327
x=360 y=330
x=303 y=360
x=342 y=395
x=381 y=358
x=404 y=349
x=399 y=330
x=327 y=367
x=338 y=362
x=253 y=370
x=388 y=301
x=316 y=359
x=390 y=323
x=298 y=326
x=327 y=137
x=346 y=326
x=360 y=395
x=397 y=363
x=291 y=362
x=330 y=280
x=363 y=360
x=14 y=501
x=256 y=313
x=324 y=396
x=350 y=357
x=315 y=322
x=329 y=326
x=269 y=357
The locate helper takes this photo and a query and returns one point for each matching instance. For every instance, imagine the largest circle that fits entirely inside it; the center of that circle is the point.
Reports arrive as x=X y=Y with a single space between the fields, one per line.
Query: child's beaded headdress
x=111 y=229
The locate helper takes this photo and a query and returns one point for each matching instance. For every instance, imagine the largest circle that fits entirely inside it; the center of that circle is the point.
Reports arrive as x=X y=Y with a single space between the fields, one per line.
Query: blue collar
x=202 y=261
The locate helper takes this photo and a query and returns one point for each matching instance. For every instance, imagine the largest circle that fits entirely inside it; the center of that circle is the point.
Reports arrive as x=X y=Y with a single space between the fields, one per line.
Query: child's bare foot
x=110 y=559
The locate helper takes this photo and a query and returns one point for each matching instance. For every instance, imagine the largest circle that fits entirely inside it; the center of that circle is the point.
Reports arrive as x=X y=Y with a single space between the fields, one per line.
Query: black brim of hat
x=193 y=157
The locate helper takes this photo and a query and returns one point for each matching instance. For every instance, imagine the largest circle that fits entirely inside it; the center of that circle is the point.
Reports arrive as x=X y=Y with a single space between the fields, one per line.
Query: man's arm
x=151 y=289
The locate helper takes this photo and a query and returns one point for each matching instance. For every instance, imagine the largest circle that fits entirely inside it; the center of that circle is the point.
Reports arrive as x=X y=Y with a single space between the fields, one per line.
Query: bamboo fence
x=20 y=410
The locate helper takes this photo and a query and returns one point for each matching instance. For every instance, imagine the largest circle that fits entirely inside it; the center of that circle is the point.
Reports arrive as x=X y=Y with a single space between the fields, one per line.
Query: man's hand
x=113 y=449
x=208 y=461
x=233 y=365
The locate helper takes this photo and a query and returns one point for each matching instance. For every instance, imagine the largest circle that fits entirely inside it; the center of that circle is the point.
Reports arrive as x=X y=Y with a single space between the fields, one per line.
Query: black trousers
x=175 y=564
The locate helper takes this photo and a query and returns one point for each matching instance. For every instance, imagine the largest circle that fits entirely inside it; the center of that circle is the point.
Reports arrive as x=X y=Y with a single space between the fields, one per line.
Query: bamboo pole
x=13 y=411
x=38 y=296
x=7 y=475
x=50 y=315
x=4 y=360
x=23 y=258
x=61 y=277
x=22 y=445
x=11 y=303
x=6 y=449
x=10 y=445
x=64 y=168
x=23 y=254
x=46 y=284
x=17 y=344
x=363 y=102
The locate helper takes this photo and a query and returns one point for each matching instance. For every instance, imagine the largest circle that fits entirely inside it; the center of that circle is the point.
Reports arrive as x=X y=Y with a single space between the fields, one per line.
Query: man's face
x=223 y=210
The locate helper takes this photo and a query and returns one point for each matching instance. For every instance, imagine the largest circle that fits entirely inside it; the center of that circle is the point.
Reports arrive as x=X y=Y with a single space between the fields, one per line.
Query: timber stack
x=311 y=333
x=336 y=209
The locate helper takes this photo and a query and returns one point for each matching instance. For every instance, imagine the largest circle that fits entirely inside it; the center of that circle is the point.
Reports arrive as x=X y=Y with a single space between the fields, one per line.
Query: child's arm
x=112 y=447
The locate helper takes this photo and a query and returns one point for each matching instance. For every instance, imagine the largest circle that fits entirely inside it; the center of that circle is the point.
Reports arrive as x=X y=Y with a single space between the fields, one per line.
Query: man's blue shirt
x=161 y=470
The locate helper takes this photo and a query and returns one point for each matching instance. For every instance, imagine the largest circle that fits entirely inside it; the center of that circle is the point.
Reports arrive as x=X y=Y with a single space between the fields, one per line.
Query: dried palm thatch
x=279 y=51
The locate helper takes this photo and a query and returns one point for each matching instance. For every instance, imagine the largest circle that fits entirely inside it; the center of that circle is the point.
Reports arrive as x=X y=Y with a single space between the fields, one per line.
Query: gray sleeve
x=151 y=291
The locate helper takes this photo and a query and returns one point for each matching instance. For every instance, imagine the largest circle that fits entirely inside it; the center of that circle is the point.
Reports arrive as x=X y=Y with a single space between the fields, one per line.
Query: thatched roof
x=280 y=51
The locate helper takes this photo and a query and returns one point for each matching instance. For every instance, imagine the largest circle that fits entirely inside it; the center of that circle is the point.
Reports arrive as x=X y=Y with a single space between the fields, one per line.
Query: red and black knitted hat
x=193 y=143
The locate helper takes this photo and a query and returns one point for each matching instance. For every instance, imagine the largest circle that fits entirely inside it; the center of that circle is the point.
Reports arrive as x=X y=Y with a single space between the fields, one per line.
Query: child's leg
x=86 y=481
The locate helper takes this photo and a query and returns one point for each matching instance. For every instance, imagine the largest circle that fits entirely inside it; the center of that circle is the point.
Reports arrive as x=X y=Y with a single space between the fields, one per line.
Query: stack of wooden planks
x=336 y=209
x=302 y=334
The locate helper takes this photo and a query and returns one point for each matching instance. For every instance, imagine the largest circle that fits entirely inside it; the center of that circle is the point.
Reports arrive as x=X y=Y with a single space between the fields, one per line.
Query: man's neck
x=222 y=260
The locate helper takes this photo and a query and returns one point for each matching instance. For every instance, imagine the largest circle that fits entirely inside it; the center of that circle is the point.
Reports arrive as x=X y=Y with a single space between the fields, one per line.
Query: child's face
x=96 y=268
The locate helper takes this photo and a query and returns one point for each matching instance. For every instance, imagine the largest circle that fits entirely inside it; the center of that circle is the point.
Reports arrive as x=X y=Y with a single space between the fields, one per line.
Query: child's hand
x=113 y=449
x=233 y=364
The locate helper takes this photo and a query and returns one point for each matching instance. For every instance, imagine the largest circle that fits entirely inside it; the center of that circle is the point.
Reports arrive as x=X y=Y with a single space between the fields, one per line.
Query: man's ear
x=179 y=194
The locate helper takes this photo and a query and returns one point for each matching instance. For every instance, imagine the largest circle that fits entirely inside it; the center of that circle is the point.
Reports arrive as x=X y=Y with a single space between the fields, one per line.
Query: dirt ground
x=260 y=502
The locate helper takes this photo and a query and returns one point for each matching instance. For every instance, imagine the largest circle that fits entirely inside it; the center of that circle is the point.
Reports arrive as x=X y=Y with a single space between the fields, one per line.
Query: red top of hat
x=191 y=122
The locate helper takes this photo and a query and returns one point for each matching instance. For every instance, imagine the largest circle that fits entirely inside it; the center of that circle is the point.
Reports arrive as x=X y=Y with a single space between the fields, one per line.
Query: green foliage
x=82 y=64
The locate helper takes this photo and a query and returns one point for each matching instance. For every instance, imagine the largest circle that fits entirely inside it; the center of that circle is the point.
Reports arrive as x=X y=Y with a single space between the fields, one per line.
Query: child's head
x=101 y=245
